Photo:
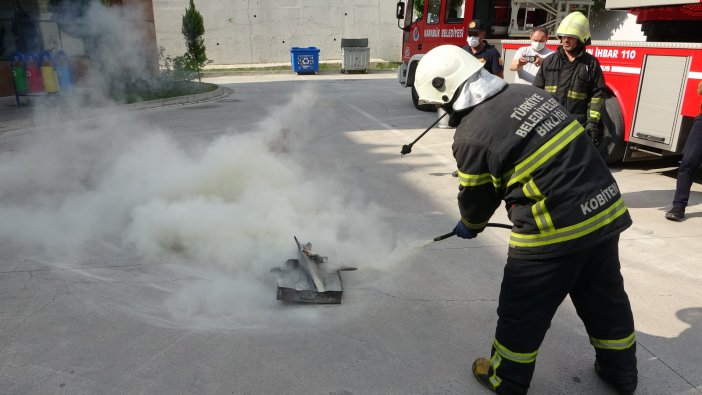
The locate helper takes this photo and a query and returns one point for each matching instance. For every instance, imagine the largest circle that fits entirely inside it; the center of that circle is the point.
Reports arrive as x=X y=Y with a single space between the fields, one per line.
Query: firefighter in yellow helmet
x=515 y=144
x=574 y=76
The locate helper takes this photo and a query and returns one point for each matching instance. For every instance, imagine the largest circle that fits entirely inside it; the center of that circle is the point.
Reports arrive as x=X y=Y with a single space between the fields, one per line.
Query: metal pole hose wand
x=489 y=225
x=407 y=148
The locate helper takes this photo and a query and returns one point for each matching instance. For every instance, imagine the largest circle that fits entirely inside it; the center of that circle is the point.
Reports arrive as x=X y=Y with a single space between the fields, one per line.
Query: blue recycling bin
x=304 y=60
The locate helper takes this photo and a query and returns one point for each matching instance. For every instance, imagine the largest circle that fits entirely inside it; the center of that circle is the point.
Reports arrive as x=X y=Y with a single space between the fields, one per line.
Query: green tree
x=193 y=29
x=418 y=9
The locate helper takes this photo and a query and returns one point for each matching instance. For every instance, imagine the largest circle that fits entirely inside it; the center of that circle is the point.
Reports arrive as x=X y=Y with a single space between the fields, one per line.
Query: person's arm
x=540 y=59
x=598 y=94
x=478 y=196
x=498 y=66
x=519 y=60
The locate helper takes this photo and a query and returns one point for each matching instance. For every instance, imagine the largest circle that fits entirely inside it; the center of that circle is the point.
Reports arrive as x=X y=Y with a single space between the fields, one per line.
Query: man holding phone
x=527 y=60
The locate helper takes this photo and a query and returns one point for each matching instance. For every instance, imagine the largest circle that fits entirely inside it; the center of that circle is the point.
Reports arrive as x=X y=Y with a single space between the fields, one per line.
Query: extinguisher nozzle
x=446 y=236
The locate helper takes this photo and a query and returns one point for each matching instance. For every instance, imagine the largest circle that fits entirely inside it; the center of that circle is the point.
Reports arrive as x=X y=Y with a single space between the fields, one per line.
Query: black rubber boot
x=676 y=214
x=481 y=368
x=621 y=388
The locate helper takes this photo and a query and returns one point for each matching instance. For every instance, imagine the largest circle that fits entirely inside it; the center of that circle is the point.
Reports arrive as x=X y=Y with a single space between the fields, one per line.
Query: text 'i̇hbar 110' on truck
x=652 y=85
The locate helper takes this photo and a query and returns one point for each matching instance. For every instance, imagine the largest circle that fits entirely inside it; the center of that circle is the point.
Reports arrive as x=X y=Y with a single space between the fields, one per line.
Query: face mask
x=473 y=41
x=537 y=45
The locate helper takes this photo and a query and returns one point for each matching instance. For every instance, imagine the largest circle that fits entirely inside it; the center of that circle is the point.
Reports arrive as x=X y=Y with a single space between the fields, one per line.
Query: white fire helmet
x=442 y=71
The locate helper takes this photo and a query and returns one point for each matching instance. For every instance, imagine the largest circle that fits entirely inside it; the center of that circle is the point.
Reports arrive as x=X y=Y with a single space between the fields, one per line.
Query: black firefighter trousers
x=691 y=159
x=530 y=294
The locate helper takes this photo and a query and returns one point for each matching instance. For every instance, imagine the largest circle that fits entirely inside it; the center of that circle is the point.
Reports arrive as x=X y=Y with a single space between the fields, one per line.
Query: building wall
x=263 y=31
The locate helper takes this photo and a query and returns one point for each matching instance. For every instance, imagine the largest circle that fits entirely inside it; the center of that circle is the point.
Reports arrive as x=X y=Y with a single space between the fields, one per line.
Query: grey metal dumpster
x=355 y=55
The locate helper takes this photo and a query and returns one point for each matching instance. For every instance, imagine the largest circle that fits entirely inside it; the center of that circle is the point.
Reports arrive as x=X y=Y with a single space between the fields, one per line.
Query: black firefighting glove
x=594 y=132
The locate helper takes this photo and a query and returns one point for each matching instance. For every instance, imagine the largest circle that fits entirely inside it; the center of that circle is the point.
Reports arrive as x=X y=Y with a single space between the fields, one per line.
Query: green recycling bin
x=19 y=75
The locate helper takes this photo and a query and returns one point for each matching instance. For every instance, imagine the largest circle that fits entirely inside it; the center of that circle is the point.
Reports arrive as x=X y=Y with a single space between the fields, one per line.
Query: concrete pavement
x=114 y=319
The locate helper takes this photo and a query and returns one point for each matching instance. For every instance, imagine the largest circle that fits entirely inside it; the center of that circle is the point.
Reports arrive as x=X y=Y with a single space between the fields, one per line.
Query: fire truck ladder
x=555 y=11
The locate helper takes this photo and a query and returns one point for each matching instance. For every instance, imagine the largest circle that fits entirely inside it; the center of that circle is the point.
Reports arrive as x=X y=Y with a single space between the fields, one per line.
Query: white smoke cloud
x=226 y=212
x=231 y=208
x=98 y=175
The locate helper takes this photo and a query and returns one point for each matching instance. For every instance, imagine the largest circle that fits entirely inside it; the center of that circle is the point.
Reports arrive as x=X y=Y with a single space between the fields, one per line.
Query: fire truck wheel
x=613 y=145
x=421 y=107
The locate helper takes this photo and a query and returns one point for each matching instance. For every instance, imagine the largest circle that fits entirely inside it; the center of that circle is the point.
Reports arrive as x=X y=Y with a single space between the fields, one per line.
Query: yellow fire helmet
x=575 y=25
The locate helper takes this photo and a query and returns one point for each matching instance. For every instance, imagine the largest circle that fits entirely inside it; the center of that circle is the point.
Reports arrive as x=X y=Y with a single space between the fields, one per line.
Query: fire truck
x=652 y=85
x=429 y=23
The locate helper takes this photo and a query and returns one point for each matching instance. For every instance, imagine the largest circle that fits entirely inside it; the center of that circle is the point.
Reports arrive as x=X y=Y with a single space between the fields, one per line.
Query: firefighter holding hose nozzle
x=516 y=144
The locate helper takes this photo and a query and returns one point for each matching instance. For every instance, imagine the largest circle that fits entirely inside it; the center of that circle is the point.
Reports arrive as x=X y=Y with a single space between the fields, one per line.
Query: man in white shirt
x=527 y=60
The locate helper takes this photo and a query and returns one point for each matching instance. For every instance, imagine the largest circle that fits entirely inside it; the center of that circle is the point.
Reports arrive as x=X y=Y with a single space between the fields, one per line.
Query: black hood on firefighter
x=477 y=89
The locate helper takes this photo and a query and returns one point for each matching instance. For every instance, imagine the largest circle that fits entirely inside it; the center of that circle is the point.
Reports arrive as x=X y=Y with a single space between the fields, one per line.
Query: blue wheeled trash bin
x=304 y=60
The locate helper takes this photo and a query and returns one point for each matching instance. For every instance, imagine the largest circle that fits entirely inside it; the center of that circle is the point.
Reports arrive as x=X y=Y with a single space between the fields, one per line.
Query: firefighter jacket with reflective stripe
x=522 y=147
x=578 y=85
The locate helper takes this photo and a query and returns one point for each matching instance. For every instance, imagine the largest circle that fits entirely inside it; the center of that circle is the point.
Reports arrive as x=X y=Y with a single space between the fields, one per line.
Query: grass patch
x=166 y=89
x=385 y=65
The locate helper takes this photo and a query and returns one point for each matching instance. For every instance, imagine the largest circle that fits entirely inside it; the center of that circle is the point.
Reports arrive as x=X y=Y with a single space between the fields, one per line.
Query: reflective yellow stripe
x=577 y=95
x=614 y=211
x=551 y=88
x=473 y=226
x=517 y=357
x=472 y=180
x=523 y=170
x=541 y=215
x=495 y=362
x=619 y=344
x=596 y=100
x=531 y=191
x=595 y=115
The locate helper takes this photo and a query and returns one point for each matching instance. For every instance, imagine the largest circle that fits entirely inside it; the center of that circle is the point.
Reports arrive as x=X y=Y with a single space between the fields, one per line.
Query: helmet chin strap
x=479 y=87
x=448 y=107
